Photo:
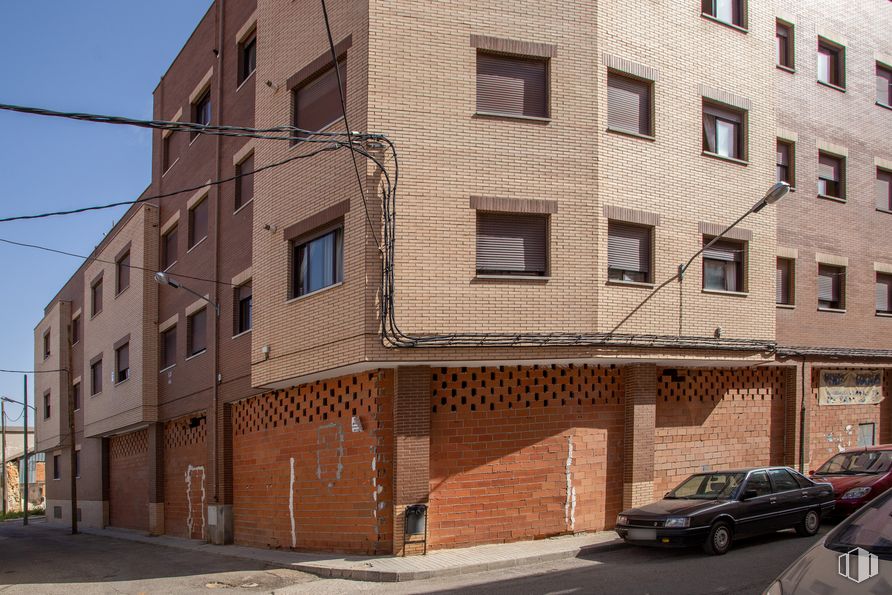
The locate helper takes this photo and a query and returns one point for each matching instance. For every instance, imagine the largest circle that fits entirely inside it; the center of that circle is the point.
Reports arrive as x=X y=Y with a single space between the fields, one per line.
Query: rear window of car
x=782 y=480
x=802 y=480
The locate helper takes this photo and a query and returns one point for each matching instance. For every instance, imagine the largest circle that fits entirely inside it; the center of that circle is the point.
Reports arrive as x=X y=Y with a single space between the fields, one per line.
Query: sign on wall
x=850 y=387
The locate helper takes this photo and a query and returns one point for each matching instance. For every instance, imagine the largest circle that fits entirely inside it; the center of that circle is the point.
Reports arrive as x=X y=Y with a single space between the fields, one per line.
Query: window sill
x=883 y=105
x=542 y=278
x=194 y=355
x=723 y=158
x=832 y=86
x=887 y=211
x=117 y=295
x=832 y=310
x=789 y=69
x=786 y=306
x=312 y=293
x=95 y=314
x=196 y=244
x=884 y=314
x=511 y=117
x=170 y=167
x=119 y=382
x=729 y=293
x=167 y=369
x=239 y=210
x=833 y=198
x=243 y=333
x=709 y=17
x=247 y=78
x=631 y=134
x=95 y=394
x=642 y=284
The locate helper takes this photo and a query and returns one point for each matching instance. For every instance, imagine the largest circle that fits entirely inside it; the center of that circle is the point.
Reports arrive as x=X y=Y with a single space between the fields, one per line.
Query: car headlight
x=675 y=522
x=856 y=493
x=622 y=519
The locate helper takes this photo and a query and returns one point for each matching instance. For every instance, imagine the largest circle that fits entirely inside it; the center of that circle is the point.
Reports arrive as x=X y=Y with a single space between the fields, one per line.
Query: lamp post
x=165 y=279
x=25 y=406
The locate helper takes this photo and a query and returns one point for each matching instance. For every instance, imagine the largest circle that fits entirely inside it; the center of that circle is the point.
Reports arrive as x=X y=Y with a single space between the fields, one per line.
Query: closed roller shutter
x=884 y=288
x=318 y=103
x=512 y=244
x=884 y=190
x=511 y=85
x=628 y=247
x=628 y=104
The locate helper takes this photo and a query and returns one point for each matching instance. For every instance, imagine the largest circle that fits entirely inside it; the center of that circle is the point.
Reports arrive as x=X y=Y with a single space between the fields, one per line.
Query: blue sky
x=93 y=56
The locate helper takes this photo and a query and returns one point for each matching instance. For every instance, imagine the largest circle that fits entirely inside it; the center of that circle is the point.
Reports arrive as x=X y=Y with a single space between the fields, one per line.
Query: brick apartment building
x=510 y=356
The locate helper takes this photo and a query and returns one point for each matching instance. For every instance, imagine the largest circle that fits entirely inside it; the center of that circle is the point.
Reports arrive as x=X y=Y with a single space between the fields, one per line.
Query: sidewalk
x=439 y=563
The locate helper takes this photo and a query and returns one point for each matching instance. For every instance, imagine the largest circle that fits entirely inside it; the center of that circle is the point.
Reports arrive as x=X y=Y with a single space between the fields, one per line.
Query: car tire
x=810 y=524
x=719 y=540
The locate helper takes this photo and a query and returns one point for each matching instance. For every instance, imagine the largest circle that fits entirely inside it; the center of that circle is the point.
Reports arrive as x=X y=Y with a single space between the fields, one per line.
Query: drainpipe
x=802 y=418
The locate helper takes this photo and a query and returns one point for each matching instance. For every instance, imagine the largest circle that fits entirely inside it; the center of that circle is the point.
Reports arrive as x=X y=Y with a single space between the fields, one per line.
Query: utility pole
x=3 y=422
x=25 y=499
x=74 y=457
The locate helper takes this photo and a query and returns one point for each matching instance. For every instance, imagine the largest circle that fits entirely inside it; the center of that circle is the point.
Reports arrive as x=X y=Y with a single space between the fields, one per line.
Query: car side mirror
x=749 y=494
x=811 y=471
x=666 y=495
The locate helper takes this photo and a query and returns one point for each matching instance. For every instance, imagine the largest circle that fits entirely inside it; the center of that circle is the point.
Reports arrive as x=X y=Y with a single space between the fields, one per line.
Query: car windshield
x=853 y=463
x=707 y=486
x=870 y=529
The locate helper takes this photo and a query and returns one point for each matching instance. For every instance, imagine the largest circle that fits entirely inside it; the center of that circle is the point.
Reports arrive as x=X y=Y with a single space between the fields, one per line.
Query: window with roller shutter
x=724 y=131
x=512 y=85
x=512 y=244
x=884 y=85
x=732 y=12
x=831 y=64
x=884 y=293
x=723 y=266
x=629 y=252
x=831 y=287
x=785 y=171
x=785 y=281
x=629 y=105
x=884 y=190
x=317 y=103
x=831 y=176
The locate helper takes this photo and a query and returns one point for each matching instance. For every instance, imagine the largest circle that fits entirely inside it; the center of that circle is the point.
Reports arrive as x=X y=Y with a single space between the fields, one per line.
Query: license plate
x=642 y=534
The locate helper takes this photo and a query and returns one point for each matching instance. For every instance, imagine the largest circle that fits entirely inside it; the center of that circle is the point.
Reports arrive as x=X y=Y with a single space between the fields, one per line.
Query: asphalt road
x=43 y=560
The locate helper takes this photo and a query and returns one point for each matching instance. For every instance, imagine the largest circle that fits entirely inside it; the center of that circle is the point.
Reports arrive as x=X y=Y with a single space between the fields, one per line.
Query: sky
x=98 y=56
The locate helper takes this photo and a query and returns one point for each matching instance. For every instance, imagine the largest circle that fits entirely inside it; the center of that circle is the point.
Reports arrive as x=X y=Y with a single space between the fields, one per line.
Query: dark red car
x=858 y=475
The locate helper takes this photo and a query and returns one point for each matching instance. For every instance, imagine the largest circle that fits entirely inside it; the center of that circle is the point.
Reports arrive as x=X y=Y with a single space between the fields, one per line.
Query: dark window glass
x=96 y=378
x=628 y=252
x=758 y=481
x=784 y=281
x=169 y=248
x=784 y=36
x=884 y=190
x=512 y=85
x=318 y=263
x=803 y=481
x=629 y=104
x=317 y=104
x=244 y=186
x=247 y=58
x=512 y=244
x=122 y=363
x=122 y=268
x=727 y=11
x=96 y=297
x=884 y=293
x=197 y=324
x=831 y=287
x=831 y=63
x=782 y=480
x=831 y=176
x=47 y=405
x=165 y=152
x=723 y=265
x=76 y=330
x=201 y=110
x=57 y=471
x=884 y=85
x=46 y=345
x=785 y=162
x=76 y=395
x=169 y=347
x=198 y=222
x=244 y=303
x=723 y=132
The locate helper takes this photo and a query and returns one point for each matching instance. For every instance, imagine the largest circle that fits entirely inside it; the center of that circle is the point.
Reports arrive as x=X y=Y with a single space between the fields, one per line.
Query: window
x=318 y=263
x=783 y=481
x=165 y=153
x=46 y=344
x=76 y=395
x=884 y=190
x=727 y=11
x=723 y=265
x=512 y=85
x=96 y=377
x=122 y=363
x=201 y=110
x=96 y=297
x=169 y=248
x=197 y=332
x=47 y=405
x=785 y=171
x=243 y=303
x=122 y=270
x=247 y=58
x=244 y=186
x=831 y=287
x=831 y=64
x=57 y=471
x=75 y=330
x=884 y=293
x=628 y=252
x=784 y=37
x=723 y=131
x=169 y=347
x=831 y=176
x=512 y=244
x=884 y=85
x=317 y=104
x=867 y=434
x=758 y=482
x=198 y=222
x=785 y=281
x=629 y=105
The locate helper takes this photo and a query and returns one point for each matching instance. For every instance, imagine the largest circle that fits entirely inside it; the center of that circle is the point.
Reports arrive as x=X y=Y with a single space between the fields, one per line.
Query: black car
x=712 y=509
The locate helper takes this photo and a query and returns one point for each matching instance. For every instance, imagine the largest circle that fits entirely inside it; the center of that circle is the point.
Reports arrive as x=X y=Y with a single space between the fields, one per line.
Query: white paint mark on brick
x=321 y=445
x=570 y=504
x=190 y=522
x=291 y=506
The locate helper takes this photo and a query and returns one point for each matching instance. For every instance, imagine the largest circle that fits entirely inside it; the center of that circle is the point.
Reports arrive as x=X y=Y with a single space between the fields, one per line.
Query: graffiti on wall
x=850 y=387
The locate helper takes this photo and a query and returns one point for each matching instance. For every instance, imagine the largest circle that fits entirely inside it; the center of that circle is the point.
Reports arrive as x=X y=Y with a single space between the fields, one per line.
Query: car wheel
x=810 y=524
x=719 y=540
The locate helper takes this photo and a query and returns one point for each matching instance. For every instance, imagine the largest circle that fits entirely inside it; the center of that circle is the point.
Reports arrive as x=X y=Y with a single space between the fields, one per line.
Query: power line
x=33 y=371
x=337 y=69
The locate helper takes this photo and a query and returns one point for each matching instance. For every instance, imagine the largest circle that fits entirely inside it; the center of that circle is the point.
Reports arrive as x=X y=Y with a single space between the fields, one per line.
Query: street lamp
x=165 y=279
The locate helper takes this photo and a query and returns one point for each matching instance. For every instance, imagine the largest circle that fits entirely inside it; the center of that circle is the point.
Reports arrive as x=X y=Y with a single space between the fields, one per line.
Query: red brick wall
x=832 y=428
x=186 y=490
x=500 y=440
x=724 y=418
x=342 y=479
x=128 y=462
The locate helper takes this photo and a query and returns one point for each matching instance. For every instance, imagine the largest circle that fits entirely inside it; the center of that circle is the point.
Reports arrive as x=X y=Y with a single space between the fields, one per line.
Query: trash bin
x=416 y=519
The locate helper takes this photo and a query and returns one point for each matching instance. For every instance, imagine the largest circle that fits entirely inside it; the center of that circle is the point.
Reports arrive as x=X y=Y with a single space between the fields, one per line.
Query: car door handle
x=773 y=500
